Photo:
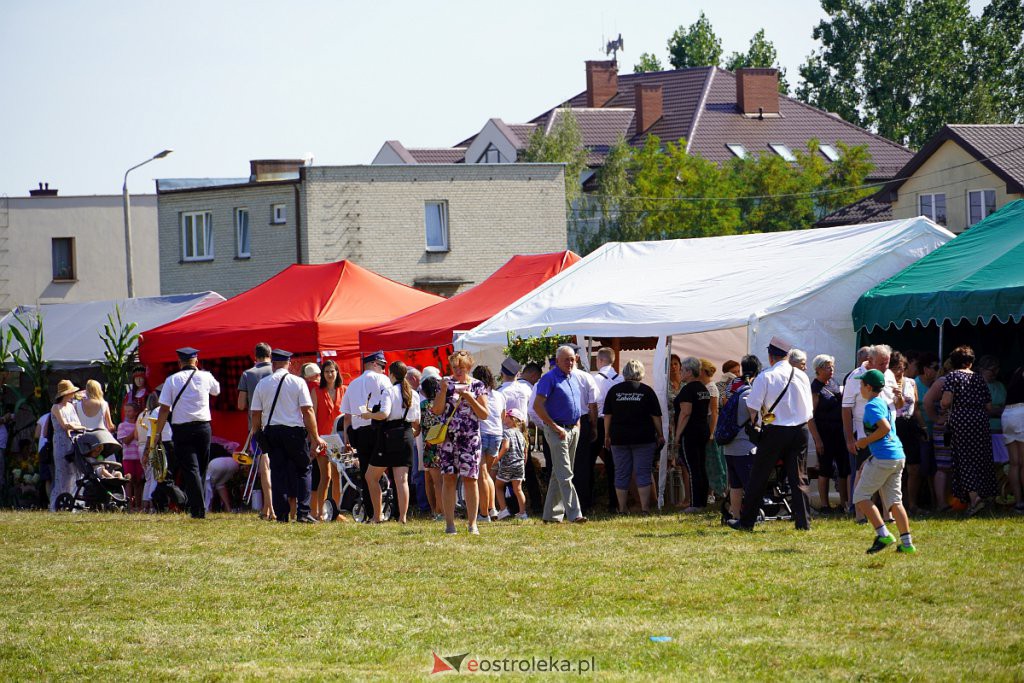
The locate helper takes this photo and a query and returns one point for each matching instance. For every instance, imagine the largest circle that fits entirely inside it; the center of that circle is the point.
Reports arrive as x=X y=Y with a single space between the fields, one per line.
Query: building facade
x=57 y=249
x=440 y=228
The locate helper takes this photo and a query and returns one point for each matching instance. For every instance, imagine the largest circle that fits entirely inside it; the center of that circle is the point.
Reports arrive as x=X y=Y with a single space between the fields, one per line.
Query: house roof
x=872 y=209
x=700 y=106
x=998 y=147
x=438 y=155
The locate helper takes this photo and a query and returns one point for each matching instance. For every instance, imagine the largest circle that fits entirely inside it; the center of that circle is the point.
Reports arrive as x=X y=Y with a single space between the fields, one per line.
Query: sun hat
x=430 y=371
x=65 y=387
x=310 y=370
x=515 y=414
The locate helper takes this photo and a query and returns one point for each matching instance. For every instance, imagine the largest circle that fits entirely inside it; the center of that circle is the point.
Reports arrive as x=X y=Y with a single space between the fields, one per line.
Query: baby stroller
x=93 y=492
x=347 y=467
x=775 y=506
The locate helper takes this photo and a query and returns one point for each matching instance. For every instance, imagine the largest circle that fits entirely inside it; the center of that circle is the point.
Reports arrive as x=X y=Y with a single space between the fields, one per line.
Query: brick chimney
x=602 y=82
x=757 y=91
x=263 y=170
x=648 y=100
x=43 y=191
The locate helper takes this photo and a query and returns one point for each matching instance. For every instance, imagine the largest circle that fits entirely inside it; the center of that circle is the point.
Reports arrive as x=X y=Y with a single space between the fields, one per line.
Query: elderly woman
x=693 y=406
x=826 y=427
x=632 y=432
x=798 y=359
x=967 y=398
x=715 y=462
x=462 y=399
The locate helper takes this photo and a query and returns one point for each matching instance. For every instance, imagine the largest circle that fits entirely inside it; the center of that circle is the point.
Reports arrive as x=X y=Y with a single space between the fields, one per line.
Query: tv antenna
x=613 y=47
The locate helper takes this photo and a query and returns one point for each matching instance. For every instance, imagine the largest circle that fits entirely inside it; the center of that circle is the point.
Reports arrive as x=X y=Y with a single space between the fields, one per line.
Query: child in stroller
x=101 y=485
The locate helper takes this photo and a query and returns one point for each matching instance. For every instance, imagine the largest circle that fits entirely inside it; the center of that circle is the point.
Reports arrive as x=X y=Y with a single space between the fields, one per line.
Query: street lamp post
x=128 y=220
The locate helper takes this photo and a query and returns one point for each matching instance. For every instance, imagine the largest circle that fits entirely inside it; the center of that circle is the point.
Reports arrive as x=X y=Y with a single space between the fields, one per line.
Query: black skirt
x=397 y=445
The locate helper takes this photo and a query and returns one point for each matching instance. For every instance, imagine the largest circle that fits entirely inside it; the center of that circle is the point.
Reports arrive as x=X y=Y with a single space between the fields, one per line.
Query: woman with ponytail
x=400 y=413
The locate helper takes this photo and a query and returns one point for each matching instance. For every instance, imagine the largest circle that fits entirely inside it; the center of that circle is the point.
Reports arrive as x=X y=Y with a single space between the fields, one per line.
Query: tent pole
x=941 y=330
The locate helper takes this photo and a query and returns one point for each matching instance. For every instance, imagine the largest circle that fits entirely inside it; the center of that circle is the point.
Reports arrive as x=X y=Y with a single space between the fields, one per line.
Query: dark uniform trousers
x=290 y=469
x=788 y=444
x=586 y=458
x=191 y=455
x=364 y=440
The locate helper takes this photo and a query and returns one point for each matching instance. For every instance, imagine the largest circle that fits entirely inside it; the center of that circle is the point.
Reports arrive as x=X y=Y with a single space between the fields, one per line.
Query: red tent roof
x=432 y=327
x=303 y=309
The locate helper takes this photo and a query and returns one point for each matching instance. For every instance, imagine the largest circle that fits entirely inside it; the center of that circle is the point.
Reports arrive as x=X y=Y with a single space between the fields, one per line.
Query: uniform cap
x=510 y=367
x=280 y=355
x=187 y=353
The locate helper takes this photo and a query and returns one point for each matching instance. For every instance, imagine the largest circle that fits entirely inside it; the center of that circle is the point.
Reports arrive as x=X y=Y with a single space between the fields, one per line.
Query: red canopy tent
x=306 y=309
x=432 y=327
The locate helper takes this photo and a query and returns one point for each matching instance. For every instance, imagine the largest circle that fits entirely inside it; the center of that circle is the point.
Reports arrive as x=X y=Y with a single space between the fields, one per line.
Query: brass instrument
x=251 y=452
x=156 y=457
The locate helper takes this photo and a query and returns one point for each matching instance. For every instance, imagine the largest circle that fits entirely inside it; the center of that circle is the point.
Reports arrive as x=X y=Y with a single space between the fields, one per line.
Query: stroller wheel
x=329 y=511
x=358 y=511
x=387 y=508
x=65 y=503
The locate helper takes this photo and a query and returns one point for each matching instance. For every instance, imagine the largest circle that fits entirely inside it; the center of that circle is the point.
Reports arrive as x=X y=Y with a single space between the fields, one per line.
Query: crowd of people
x=903 y=429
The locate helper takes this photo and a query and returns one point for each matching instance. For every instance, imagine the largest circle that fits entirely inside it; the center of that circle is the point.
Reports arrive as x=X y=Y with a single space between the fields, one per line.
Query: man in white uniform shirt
x=362 y=395
x=282 y=406
x=779 y=400
x=185 y=403
x=517 y=392
x=853 y=405
x=604 y=378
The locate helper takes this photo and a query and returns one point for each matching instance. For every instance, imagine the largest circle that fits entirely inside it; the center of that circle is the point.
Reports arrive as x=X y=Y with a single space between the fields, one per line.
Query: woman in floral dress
x=965 y=394
x=464 y=399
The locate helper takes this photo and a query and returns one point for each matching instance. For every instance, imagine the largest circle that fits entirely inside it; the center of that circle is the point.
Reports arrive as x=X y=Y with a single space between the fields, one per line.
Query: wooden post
x=616 y=347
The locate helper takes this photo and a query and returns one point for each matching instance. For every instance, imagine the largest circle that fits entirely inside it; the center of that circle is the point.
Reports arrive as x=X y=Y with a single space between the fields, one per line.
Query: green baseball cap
x=874 y=379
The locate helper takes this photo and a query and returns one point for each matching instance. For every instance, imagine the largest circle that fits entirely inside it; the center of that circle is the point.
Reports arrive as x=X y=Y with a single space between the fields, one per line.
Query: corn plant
x=27 y=330
x=120 y=341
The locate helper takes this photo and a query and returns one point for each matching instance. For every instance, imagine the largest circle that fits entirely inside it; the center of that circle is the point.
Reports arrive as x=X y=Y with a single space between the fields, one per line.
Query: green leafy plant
x=120 y=341
x=536 y=349
x=27 y=330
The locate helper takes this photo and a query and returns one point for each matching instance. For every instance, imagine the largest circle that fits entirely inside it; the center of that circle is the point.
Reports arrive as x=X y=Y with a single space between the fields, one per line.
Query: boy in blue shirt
x=883 y=471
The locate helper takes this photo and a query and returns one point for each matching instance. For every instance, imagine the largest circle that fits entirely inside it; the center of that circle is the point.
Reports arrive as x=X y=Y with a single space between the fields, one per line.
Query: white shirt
x=194 y=405
x=288 y=410
x=795 y=408
x=391 y=403
x=605 y=378
x=517 y=395
x=363 y=393
x=42 y=422
x=492 y=426
x=530 y=412
x=588 y=389
x=853 y=399
x=144 y=428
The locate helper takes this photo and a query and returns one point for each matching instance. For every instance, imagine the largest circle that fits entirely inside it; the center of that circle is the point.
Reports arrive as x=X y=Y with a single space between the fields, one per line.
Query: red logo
x=451 y=663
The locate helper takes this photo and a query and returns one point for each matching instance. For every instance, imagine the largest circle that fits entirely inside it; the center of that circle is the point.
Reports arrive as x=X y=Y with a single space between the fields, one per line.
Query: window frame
x=207 y=236
x=984 y=211
x=733 y=146
x=933 y=214
x=71 y=260
x=238 y=232
x=445 y=226
x=779 y=148
x=832 y=154
x=274 y=208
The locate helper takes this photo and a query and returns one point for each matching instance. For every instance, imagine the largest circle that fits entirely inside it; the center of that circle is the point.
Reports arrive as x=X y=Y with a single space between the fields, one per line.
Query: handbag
x=394 y=437
x=437 y=434
x=259 y=437
x=752 y=430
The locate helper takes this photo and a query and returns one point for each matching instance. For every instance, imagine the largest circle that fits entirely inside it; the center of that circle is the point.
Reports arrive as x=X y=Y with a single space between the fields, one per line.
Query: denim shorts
x=489 y=445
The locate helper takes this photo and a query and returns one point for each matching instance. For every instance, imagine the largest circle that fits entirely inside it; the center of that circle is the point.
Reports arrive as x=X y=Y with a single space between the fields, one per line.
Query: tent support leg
x=941 y=330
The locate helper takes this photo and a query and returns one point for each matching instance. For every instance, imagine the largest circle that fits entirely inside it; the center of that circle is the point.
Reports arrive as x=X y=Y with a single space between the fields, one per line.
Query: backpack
x=727 y=429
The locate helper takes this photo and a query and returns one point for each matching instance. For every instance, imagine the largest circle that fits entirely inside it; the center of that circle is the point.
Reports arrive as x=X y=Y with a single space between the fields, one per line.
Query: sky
x=90 y=89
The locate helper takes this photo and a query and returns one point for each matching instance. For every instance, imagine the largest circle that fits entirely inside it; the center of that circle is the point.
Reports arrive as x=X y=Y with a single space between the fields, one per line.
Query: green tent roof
x=977 y=277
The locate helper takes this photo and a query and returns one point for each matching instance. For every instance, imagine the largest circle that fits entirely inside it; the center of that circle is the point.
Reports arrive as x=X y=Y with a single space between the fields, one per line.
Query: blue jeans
x=489 y=444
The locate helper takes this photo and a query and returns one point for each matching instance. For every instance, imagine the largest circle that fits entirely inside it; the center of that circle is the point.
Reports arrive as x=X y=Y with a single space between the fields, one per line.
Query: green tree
x=563 y=144
x=696 y=45
x=906 y=67
x=762 y=53
x=648 y=62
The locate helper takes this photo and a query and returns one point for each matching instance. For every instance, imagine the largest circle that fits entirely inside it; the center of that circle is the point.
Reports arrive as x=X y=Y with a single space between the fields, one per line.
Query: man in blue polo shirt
x=558 y=408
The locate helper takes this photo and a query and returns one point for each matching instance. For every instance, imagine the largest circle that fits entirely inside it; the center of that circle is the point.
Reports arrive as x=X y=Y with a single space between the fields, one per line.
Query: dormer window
x=782 y=151
x=738 y=150
x=491 y=155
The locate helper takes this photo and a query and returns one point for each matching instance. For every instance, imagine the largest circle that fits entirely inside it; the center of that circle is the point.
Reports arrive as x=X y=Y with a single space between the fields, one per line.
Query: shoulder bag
x=259 y=437
x=753 y=430
x=437 y=434
x=177 y=398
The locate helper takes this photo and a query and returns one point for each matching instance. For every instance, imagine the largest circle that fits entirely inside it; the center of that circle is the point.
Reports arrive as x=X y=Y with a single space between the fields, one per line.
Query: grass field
x=103 y=597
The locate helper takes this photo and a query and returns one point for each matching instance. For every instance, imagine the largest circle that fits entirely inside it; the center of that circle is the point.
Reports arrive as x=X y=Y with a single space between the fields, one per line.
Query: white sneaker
x=474 y=530
x=504 y=514
x=522 y=515
x=492 y=513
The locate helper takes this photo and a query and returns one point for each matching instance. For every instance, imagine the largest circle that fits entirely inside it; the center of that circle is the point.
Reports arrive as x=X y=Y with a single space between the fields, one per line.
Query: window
x=437 y=226
x=933 y=206
x=242 y=232
x=491 y=155
x=782 y=151
x=63 y=251
x=738 y=150
x=197 y=236
x=980 y=203
x=830 y=152
x=279 y=214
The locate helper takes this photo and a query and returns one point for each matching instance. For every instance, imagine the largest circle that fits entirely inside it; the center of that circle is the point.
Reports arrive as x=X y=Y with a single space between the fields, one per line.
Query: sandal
x=975 y=509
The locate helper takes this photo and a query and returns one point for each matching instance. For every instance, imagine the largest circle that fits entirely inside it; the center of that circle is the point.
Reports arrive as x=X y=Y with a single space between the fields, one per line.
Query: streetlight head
x=162 y=154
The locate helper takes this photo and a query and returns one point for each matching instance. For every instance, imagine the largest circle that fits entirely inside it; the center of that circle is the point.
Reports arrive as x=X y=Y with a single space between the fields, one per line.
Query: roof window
x=830 y=152
x=738 y=150
x=782 y=151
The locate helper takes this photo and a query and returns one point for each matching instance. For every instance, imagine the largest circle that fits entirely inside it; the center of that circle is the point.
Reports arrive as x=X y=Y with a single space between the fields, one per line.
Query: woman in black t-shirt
x=632 y=428
x=692 y=429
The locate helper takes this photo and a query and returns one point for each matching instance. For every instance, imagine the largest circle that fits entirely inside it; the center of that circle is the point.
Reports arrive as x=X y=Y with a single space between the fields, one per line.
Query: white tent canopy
x=71 y=332
x=719 y=297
